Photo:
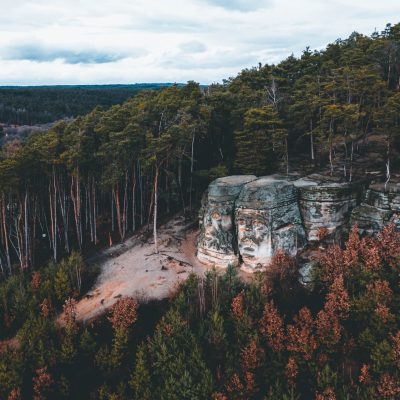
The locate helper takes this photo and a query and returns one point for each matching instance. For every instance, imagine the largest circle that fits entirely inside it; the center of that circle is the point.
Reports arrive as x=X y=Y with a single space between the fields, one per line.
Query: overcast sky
x=128 y=41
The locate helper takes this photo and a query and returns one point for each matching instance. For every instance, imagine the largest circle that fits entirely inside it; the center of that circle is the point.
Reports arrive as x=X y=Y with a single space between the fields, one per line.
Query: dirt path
x=133 y=269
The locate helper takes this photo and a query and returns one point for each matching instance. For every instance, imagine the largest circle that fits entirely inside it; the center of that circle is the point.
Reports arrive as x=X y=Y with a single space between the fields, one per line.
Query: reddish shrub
x=36 y=280
x=15 y=394
x=364 y=377
x=300 y=335
x=329 y=329
x=69 y=309
x=332 y=264
x=396 y=348
x=271 y=326
x=337 y=300
x=369 y=249
x=351 y=254
x=249 y=356
x=124 y=313
x=42 y=383
x=327 y=394
x=380 y=292
x=237 y=307
x=389 y=242
x=388 y=387
x=291 y=371
x=45 y=308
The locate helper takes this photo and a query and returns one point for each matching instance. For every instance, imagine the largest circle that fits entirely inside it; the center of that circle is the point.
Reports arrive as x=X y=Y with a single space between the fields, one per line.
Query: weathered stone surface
x=247 y=218
x=267 y=218
x=217 y=242
x=381 y=206
x=327 y=203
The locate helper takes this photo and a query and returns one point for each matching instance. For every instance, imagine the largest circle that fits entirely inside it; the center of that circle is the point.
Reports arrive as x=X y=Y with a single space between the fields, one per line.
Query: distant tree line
x=33 y=105
x=110 y=171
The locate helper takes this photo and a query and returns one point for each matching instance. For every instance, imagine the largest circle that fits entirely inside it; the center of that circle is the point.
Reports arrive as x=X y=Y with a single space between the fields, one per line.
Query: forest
x=31 y=105
x=94 y=181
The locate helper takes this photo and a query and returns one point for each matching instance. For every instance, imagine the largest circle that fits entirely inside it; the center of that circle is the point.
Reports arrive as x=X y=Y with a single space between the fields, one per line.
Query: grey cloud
x=44 y=54
x=241 y=5
x=219 y=59
x=193 y=47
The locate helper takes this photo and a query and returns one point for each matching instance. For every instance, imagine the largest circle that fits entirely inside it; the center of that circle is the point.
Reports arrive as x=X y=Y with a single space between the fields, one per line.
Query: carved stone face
x=254 y=236
x=217 y=228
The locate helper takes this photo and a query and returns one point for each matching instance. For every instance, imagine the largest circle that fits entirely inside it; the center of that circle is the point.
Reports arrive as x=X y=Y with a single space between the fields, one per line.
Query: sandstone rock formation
x=247 y=219
x=326 y=203
x=380 y=206
x=217 y=243
x=267 y=218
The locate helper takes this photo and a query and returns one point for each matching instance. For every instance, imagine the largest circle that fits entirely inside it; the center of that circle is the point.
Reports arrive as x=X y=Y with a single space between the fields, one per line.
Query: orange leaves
x=366 y=253
x=388 y=387
x=291 y=371
x=237 y=306
x=337 y=300
x=36 y=280
x=45 y=308
x=328 y=328
x=353 y=245
x=15 y=394
x=42 y=383
x=69 y=309
x=300 y=335
x=364 y=377
x=389 y=241
x=370 y=254
x=327 y=394
x=249 y=357
x=332 y=264
x=396 y=348
x=272 y=327
x=336 y=308
x=124 y=313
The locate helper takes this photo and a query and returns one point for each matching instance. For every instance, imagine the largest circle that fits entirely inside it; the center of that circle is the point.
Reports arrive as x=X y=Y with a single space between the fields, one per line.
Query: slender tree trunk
x=133 y=197
x=191 y=173
x=330 y=147
x=26 y=230
x=94 y=210
x=4 y=220
x=387 y=162
x=155 y=211
x=117 y=207
x=312 y=140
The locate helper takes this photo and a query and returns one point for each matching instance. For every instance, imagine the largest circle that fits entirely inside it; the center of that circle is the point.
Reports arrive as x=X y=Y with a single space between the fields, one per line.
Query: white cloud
x=118 y=41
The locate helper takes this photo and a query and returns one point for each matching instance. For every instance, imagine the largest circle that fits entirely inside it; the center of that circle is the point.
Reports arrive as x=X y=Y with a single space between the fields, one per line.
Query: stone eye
x=215 y=215
x=258 y=224
x=241 y=221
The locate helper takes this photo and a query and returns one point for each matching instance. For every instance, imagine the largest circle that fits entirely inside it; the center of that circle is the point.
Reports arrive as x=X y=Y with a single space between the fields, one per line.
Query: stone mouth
x=248 y=249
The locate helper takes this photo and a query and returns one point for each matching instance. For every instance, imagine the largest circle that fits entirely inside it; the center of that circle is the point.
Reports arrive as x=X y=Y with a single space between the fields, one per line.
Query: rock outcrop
x=217 y=240
x=380 y=206
x=267 y=218
x=247 y=219
x=326 y=204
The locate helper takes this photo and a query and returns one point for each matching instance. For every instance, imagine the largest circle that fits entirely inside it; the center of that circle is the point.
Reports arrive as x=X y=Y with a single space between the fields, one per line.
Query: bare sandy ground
x=133 y=269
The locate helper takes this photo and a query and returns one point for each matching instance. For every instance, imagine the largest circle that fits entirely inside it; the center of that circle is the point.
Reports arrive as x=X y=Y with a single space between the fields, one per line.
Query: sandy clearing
x=133 y=269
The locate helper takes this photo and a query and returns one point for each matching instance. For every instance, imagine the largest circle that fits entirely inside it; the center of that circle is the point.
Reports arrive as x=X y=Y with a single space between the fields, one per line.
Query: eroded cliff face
x=267 y=218
x=246 y=220
x=380 y=206
x=217 y=240
x=326 y=204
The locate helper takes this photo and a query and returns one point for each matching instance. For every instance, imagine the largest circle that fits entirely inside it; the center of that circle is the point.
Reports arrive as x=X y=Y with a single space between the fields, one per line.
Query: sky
x=135 y=41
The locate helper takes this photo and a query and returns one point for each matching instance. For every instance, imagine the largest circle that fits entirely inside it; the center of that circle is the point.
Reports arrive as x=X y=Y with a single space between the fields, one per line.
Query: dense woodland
x=33 y=105
x=93 y=181
x=217 y=338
